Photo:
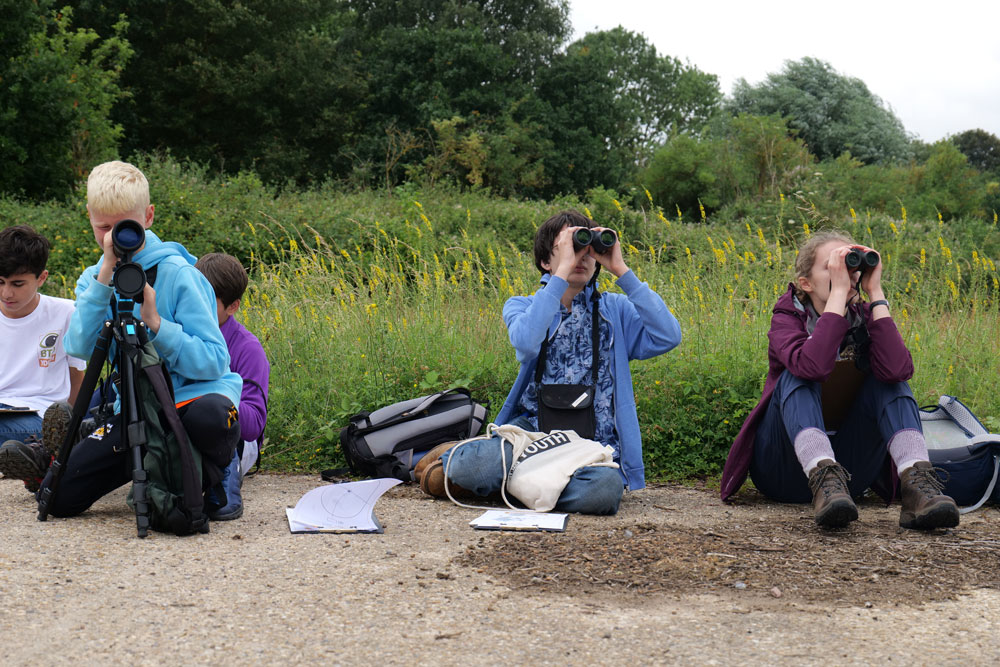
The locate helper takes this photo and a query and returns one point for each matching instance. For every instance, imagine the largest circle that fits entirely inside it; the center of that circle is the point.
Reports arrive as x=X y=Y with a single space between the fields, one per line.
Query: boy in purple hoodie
x=785 y=444
x=246 y=358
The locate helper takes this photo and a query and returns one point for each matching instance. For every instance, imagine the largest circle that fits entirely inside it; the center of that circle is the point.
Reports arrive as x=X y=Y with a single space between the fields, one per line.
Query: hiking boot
x=430 y=457
x=432 y=482
x=24 y=461
x=832 y=501
x=924 y=504
x=55 y=425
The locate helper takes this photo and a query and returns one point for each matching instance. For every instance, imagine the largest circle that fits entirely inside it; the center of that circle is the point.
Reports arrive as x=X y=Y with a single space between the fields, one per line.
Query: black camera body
x=861 y=259
x=601 y=240
x=129 y=279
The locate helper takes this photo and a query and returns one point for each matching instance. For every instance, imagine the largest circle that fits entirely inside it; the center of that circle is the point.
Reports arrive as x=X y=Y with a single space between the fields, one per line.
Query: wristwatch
x=880 y=302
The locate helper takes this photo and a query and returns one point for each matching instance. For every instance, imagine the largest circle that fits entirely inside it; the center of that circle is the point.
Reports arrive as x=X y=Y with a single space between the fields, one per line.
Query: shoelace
x=830 y=479
x=928 y=480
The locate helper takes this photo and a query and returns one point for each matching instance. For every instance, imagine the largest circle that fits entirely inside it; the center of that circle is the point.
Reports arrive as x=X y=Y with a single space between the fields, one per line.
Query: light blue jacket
x=642 y=327
x=189 y=339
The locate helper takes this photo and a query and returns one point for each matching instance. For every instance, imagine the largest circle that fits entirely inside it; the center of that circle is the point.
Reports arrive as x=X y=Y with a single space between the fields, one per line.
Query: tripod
x=130 y=335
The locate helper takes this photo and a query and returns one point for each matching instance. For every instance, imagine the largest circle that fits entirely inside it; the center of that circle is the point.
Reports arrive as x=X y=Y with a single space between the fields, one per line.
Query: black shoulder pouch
x=565 y=407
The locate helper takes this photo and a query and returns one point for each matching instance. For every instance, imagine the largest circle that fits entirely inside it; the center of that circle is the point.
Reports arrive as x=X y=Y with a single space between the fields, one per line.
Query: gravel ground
x=728 y=586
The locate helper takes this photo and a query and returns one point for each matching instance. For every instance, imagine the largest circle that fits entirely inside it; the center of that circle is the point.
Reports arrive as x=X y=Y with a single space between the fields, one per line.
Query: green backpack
x=174 y=499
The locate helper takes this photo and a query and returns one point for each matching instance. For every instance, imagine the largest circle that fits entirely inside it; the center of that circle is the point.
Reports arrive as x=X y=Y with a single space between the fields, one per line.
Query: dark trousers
x=95 y=468
x=861 y=445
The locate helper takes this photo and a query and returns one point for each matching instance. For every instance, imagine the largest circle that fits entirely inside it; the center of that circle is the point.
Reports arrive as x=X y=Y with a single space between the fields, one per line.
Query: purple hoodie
x=247 y=358
x=811 y=358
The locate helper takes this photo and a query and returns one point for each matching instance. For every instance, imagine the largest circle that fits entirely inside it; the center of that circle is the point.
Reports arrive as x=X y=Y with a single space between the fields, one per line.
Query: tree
x=981 y=147
x=251 y=84
x=608 y=100
x=59 y=85
x=832 y=113
x=746 y=156
x=429 y=61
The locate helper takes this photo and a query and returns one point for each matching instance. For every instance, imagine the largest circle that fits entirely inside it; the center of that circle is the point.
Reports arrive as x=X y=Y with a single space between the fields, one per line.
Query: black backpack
x=389 y=441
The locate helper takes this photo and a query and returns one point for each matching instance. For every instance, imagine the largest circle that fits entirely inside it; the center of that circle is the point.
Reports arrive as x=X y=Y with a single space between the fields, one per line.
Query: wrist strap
x=880 y=302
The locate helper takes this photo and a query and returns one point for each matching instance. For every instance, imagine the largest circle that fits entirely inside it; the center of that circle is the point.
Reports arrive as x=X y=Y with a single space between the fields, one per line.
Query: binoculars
x=600 y=240
x=861 y=259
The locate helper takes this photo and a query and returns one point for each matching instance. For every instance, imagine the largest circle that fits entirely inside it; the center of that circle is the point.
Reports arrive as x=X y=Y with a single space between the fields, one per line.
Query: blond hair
x=117 y=187
x=807 y=254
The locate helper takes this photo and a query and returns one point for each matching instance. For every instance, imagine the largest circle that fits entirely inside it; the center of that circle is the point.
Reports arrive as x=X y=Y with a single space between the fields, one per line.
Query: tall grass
x=363 y=299
x=392 y=315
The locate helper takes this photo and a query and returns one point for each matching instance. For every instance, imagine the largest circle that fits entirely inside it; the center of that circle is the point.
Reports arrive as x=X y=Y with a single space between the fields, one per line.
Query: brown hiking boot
x=924 y=506
x=432 y=482
x=832 y=501
x=430 y=457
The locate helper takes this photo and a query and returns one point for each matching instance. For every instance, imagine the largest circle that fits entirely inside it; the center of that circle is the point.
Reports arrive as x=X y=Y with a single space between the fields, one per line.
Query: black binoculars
x=601 y=240
x=859 y=258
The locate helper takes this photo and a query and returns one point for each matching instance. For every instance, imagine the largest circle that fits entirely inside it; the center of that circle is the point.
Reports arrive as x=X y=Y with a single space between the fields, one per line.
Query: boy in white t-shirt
x=36 y=371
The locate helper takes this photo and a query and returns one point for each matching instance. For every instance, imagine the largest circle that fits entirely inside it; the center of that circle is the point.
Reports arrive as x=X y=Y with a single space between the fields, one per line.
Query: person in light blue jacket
x=634 y=325
x=179 y=312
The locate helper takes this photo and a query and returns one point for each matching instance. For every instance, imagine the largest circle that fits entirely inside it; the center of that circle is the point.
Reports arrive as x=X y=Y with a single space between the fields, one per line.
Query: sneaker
x=924 y=504
x=55 y=425
x=24 y=461
x=832 y=501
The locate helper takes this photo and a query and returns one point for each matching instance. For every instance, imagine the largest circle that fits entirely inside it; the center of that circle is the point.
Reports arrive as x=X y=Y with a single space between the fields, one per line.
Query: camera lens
x=127 y=236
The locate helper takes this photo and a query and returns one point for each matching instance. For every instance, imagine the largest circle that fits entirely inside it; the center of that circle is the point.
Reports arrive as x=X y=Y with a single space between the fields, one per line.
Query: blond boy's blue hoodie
x=189 y=339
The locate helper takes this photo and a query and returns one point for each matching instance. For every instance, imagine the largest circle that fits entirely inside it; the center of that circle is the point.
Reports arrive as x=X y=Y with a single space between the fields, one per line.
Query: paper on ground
x=339 y=508
x=515 y=520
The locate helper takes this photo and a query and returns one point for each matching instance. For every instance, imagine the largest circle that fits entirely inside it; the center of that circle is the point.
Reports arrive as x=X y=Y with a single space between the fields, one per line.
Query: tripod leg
x=58 y=468
x=134 y=438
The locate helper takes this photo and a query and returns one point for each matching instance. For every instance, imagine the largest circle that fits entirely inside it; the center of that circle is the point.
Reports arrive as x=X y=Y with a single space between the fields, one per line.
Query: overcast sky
x=935 y=64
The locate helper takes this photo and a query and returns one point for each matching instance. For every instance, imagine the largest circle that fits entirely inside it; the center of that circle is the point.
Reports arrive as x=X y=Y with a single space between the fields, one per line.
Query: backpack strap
x=962 y=416
x=194 y=501
x=989 y=488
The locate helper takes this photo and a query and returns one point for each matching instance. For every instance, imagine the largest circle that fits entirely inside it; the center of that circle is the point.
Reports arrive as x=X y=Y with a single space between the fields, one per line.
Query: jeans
x=19 y=426
x=879 y=411
x=95 y=469
x=477 y=467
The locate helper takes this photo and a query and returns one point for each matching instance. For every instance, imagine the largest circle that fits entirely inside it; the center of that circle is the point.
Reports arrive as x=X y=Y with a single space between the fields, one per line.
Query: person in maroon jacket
x=785 y=445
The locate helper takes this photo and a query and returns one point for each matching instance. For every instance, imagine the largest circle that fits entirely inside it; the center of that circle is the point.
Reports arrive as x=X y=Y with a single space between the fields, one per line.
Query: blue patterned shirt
x=568 y=361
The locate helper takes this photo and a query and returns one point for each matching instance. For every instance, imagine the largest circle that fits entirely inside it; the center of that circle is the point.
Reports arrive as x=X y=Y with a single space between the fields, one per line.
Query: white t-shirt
x=34 y=366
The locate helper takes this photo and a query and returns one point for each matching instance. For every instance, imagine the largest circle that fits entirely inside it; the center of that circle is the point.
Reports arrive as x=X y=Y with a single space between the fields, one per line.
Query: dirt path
x=676 y=577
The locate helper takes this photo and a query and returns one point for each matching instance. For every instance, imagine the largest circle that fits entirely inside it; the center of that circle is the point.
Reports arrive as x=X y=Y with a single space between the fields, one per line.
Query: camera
x=129 y=279
x=600 y=240
x=859 y=258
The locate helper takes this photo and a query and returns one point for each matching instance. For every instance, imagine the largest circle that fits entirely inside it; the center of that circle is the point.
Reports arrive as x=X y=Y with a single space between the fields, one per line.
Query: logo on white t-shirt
x=47 y=349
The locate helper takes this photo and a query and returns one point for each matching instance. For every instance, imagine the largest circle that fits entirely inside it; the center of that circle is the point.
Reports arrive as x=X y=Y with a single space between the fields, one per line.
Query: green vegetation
x=382 y=167
x=362 y=299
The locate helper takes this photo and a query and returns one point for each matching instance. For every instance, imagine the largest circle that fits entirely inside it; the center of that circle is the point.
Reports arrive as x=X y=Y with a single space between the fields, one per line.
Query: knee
x=604 y=490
